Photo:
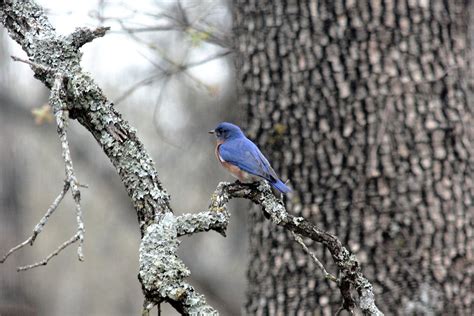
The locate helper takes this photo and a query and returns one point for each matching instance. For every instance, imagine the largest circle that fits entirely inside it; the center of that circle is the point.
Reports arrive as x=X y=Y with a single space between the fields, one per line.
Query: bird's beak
x=211 y=131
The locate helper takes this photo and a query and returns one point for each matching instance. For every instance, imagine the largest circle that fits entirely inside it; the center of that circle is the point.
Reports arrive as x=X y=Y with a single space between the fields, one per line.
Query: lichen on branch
x=50 y=54
x=161 y=273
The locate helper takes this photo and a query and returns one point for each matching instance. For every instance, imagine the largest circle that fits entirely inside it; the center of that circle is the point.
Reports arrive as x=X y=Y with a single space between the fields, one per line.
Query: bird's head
x=225 y=131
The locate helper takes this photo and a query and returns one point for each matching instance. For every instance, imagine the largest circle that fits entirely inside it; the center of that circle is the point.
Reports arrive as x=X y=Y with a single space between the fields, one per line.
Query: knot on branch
x=84 y=35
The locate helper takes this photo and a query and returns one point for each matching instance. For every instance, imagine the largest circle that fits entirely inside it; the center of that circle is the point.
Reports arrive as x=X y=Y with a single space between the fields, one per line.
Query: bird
x=242 y=158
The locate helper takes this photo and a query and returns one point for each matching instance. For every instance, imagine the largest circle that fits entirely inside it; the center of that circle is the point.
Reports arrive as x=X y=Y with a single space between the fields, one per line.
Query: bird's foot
x=251 y=185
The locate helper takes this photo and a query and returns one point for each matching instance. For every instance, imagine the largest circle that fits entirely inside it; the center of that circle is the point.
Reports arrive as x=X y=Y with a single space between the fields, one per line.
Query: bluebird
x=242 y=158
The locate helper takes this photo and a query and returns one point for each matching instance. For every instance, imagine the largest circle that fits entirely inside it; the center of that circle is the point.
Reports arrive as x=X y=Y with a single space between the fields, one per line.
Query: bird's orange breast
x=235 y=171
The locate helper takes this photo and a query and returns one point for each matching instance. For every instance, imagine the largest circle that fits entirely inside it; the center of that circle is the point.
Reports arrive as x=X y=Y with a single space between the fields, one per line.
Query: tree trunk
x=363 y=106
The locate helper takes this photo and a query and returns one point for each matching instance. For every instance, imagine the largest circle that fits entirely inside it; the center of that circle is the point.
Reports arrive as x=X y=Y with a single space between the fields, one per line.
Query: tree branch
x=39 y=227
x=84 y=35
x=69 y=183
x=162 y=273
x=60 y=113
x=260 y=193
x=188 y=224
x=28 y=25
x=326 y=274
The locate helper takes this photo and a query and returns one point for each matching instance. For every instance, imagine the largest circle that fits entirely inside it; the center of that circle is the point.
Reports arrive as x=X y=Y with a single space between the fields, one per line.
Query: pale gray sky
x=116 y=61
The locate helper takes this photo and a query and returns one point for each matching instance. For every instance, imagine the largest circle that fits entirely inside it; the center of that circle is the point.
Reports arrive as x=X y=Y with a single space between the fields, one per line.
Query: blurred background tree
x=361 y=104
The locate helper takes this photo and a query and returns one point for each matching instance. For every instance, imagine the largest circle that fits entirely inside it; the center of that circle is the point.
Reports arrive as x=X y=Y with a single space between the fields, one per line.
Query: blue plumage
x=235 y=150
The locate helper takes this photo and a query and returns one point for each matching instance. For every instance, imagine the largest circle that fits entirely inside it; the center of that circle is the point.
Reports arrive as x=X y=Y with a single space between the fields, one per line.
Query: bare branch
x=208 y=59
x=52 y=208
x=189 y=224
x=273 y=208
x=35 y=66
x=156 y=28
x=84 y=35
x=327 y=275
x=178 y=22
x=216 y=218
x=17 y=247
x=348 y=302
x=39 y=227
x=137 y=85
x=61 y=120
x=174 y=66
x=70 y=183
x=45 y=261
x=161 y=272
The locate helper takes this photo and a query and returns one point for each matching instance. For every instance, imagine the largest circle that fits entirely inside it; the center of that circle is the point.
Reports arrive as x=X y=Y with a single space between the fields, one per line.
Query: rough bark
x=363 y=106
x=53 y=57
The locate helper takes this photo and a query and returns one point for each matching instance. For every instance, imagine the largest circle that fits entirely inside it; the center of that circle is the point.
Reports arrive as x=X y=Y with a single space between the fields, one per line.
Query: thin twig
x=208 y=59
x=61 y=120
x=327 y=275
x=32 y=64
x=136 y=86
x=145 y=29
x=180 y=22
x=52 y=208
x=17 y=247
x=176 y=67
x=45 y=261
x=39 y=227
x=70 y=182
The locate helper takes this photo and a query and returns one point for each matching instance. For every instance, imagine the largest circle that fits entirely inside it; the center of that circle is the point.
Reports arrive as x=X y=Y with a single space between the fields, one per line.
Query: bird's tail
x=280 y=186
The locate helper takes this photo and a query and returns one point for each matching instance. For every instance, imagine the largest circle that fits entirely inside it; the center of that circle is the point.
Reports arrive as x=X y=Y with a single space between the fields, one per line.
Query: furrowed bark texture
x=363 y=106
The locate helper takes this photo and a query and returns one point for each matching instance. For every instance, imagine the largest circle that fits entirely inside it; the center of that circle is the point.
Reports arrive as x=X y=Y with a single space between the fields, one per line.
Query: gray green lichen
x=162 y=271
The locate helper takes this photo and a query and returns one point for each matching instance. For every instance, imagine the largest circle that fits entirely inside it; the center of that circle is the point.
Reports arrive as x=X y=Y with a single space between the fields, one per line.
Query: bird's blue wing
x=246 y=155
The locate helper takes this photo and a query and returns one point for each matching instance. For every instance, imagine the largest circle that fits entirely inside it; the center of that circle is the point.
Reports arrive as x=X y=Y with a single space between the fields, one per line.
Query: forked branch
x=70 y=182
